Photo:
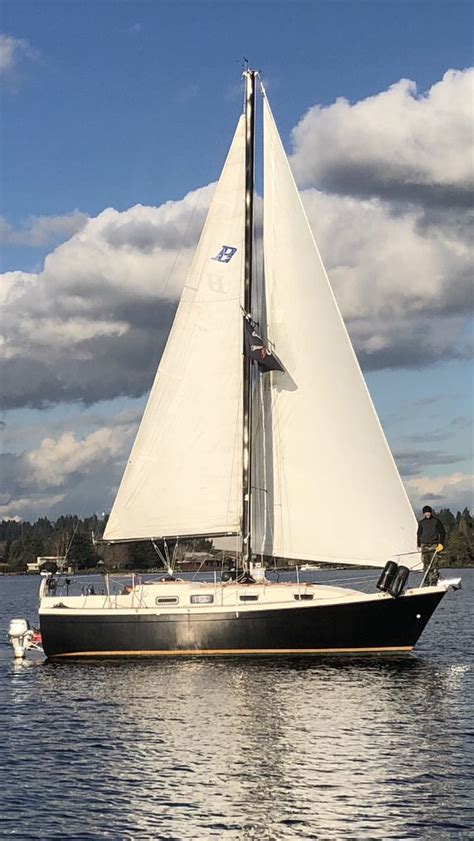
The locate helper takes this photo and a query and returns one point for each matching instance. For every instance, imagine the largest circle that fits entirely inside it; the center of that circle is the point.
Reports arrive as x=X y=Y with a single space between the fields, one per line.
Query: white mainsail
x=184 y=475
x=332 y=489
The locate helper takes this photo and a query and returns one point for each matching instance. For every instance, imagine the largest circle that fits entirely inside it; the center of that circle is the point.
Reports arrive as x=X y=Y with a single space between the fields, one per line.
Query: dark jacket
x=430 y=530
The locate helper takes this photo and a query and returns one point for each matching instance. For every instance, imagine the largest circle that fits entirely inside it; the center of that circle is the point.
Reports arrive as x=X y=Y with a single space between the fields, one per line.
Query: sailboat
x=259 y=425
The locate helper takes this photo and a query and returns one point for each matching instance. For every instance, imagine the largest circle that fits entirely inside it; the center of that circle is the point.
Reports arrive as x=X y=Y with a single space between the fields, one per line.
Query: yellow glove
x=439 y=547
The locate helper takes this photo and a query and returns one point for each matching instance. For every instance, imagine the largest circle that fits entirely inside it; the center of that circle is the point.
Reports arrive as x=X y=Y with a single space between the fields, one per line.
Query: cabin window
x=166 y=600
x=304 y=597
x=249 y=598
x=203 y=598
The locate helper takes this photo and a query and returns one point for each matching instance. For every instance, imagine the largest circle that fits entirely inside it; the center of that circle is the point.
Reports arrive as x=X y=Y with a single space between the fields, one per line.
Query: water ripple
x=324 y=748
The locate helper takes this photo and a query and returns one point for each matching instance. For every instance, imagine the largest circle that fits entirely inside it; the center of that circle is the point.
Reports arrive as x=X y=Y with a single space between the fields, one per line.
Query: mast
x=250 y=77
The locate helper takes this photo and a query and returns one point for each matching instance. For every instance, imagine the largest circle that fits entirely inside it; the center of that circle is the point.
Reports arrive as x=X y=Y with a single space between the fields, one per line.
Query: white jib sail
x=184 y=475
x=332 y=487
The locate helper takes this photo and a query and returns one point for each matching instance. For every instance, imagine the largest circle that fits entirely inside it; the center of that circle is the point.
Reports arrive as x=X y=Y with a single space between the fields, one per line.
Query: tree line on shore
x=72 y=537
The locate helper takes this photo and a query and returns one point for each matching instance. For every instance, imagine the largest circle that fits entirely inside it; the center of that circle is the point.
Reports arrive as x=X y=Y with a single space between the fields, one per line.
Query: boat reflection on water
x=328 y=748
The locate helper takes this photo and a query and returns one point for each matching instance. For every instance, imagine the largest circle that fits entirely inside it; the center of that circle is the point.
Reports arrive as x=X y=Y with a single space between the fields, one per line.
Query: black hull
x=380 y=625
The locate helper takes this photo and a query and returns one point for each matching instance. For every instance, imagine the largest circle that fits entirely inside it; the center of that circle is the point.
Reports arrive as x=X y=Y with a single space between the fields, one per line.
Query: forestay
x=184 y=475
x=333 y=491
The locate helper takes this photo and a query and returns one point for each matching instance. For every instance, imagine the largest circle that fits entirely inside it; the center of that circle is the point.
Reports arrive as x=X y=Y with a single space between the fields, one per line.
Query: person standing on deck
x=431 y=536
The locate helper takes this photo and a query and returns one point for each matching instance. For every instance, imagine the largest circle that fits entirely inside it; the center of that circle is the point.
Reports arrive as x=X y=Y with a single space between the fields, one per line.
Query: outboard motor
x=20 y=636
x=397 y=586
x=387 y=576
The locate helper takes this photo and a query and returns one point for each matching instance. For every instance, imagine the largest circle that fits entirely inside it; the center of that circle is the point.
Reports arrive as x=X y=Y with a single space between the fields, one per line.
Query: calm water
x=363 y=748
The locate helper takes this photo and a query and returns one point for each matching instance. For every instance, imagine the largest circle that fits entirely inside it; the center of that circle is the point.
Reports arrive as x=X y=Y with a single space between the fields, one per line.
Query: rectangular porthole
x=249 y=598
x=166 y=600
x=304 y=597
x=203 y=598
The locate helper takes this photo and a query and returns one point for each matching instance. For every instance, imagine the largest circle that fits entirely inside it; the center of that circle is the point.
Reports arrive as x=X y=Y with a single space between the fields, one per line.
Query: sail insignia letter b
x=225 y=254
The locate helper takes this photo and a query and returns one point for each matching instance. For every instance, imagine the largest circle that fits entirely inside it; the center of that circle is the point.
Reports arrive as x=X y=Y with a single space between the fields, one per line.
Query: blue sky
x=105 y=114
x=113 y=104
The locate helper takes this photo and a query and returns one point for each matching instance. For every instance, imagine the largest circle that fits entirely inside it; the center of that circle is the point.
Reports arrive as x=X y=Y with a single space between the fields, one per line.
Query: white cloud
x=11 y=51
x=404 y=288
x=56 y=460
x=50 y=331
x=74 y=465
x=411 y=462
x=14 y=286
x=20 y=509
x=397 y=144
x=107 y=295
x=41 y=230
x=455 y=490
x=67 y=469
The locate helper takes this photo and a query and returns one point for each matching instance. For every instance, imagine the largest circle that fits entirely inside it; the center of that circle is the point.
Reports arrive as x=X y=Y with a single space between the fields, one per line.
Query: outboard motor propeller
x=387 y=576
x=20 y=636
x=397 y=586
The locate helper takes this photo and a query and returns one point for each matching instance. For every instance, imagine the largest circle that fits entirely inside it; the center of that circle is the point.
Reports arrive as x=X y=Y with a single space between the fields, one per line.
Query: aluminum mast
x=250 y=77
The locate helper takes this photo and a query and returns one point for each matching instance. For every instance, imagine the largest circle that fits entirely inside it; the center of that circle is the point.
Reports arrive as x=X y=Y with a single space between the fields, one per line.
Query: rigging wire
x=159 y=553
x=71 y=540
